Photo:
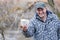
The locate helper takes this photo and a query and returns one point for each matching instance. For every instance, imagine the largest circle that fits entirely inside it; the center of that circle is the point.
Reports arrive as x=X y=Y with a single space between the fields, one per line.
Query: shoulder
x=52 y=15
x=33 y=20
x=55 y=16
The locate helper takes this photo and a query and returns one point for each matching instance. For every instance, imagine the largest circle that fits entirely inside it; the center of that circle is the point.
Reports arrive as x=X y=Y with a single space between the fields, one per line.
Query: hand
x=24 y=28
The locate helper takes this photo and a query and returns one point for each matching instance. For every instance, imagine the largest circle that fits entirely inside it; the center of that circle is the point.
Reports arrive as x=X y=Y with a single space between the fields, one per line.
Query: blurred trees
x=54 y=6
x=11 y=11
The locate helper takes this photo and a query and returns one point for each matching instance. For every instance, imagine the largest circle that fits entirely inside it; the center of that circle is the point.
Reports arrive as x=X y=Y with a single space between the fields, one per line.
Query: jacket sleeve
x=58 y=25
x=57 y=21
x=30 y=30
x=58 y=31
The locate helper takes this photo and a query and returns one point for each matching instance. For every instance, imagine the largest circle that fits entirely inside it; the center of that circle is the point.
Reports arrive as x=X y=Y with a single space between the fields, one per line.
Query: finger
x=21 y=26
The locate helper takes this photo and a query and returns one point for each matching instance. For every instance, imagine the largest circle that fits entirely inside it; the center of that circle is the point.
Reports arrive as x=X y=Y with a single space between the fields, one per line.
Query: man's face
x=41 y=12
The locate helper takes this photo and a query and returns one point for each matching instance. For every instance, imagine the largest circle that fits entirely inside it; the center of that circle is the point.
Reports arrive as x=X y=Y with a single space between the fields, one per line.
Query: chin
x=41 y=15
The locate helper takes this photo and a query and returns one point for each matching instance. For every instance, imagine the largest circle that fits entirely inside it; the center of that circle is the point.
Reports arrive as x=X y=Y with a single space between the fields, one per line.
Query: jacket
x=48 y=30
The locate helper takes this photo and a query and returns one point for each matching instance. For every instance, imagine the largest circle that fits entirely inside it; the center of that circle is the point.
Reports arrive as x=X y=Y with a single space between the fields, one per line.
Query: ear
x=44 y=10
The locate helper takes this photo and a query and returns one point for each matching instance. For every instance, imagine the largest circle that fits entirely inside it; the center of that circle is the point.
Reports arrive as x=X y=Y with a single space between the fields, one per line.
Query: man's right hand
x=24 y=28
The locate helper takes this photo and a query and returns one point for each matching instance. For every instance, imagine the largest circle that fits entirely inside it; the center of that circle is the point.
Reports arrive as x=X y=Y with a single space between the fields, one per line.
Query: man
x=44 y=24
